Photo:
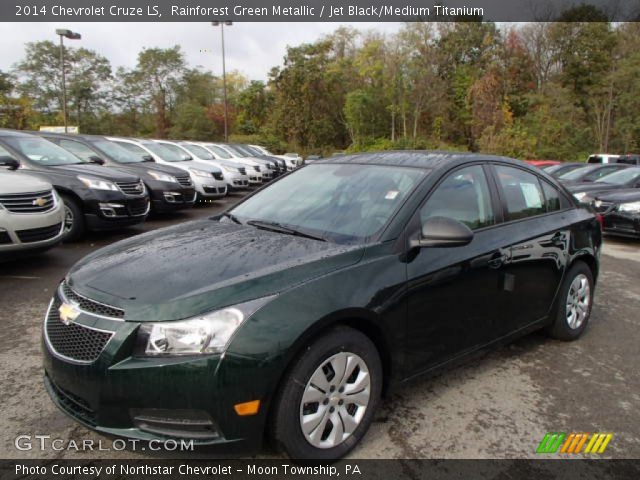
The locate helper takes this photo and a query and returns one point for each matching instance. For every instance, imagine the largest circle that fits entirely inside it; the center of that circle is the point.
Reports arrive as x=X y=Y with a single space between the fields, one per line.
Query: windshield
x=166 y=153
x=43 y=151
x=621 y=177
x=199 y=151
x=219 y=151
x=577 y=173
x=118 y=153
x=342 y=203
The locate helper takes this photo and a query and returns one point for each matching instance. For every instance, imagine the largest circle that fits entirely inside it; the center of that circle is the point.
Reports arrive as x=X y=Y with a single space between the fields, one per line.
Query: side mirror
x=95 y=159
x=443 y=232
x=9 y=163
x=148 y=158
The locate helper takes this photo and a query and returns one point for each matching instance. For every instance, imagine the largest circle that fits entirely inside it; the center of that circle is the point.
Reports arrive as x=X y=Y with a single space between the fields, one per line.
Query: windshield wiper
x=278 y=227
x=232 y=217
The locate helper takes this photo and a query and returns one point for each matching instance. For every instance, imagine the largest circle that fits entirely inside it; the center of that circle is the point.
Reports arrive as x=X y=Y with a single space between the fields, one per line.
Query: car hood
x=142 y=168
x=14 y=182
x=620 y=196
x=200 y=266
x=590 y=187
x=104 y=173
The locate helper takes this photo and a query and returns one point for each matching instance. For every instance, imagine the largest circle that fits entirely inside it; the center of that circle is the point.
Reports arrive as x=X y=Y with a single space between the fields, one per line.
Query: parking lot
x=499 y=406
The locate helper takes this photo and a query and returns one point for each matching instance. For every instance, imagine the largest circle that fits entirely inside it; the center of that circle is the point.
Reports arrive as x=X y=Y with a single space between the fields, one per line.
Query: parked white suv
x=31 y=214
x=208 y=179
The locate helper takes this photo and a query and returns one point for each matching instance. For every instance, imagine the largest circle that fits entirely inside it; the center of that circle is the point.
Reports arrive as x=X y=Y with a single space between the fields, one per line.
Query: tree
x=158 y=73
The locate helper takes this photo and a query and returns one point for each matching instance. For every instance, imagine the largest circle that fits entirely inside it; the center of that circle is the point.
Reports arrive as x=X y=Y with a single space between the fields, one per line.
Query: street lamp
x=71 y=36
x=224 y=78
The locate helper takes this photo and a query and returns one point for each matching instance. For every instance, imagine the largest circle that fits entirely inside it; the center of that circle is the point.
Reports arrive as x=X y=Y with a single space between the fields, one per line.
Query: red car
x=542 y=163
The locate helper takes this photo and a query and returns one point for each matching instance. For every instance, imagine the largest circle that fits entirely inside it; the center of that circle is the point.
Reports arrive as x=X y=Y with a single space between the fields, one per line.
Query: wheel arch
x=591 y=262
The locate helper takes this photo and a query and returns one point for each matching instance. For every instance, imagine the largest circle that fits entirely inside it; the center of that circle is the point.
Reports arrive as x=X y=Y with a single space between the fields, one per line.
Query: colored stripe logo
x=574 y=443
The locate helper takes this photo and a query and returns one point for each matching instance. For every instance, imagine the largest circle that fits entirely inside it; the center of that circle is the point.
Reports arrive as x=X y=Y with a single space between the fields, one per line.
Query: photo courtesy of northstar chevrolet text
x=240 y=237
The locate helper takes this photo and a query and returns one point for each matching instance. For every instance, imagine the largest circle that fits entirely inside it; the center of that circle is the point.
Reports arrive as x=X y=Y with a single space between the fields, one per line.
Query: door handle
x=558 y=239
x=497 y=260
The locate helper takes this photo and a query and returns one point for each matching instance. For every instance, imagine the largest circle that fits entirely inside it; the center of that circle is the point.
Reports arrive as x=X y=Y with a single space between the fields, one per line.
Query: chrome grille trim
x=131 y=188
x=52 y=349
x=88 y=306
x=24 y=202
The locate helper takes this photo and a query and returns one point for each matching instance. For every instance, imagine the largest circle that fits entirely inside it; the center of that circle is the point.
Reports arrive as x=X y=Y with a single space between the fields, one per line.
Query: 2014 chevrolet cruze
x=292 y=313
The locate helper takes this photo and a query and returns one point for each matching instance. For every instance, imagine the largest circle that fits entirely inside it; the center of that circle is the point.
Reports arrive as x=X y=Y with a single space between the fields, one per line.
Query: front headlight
x=200 y=173
x=580 y=195
x=631 y=207
x=205 y=334
x=97 y=184
x=163 y=177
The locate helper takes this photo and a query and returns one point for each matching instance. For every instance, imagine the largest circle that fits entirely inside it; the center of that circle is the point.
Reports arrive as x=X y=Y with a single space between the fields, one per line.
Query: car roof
x=13 y=133
x=430 y=159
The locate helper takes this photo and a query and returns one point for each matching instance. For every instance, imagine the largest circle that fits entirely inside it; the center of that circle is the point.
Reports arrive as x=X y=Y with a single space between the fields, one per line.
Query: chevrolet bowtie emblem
x=68 y=313
x=39 y=202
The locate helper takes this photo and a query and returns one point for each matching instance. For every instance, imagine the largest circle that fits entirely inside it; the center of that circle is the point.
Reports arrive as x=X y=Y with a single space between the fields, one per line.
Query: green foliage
x=541 y=90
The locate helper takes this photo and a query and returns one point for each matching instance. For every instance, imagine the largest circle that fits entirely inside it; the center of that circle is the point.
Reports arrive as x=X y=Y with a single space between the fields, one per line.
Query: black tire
x=560 y=327
x=286 y=429
x=77 y=218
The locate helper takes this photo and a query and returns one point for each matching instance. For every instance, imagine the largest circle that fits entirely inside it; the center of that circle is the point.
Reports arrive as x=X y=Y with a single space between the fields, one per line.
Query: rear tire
x=327 y=400
x=573 y=308
x=74 y=225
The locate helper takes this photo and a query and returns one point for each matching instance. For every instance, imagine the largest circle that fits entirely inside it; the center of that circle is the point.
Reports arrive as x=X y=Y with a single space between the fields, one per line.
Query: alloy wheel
x=68 y=219
x=335 y=400
x=578 y=301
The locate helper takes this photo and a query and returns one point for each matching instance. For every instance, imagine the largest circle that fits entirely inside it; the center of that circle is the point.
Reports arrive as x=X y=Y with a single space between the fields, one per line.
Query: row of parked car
x=610 y=184
x=57 y=186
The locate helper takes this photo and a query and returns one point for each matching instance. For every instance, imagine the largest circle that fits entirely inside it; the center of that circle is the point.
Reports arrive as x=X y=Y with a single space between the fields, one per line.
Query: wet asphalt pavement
x=498 y=406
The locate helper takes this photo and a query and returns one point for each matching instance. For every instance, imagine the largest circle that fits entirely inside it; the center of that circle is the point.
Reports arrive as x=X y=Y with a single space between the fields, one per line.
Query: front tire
x=74 y=226
x=329 y=396
x=573 y=308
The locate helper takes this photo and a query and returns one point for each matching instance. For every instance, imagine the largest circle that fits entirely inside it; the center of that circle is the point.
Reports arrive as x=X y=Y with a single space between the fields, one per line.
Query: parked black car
x=169 y=188
x=95 y=197
x=296 y=316
x=624 y=178
x=620 y=210
x=629 y=159
x=590 y=173
x=558 y=170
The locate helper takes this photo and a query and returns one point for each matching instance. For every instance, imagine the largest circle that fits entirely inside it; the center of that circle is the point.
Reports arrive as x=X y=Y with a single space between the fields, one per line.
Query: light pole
x=224 y=79
x=71 y=36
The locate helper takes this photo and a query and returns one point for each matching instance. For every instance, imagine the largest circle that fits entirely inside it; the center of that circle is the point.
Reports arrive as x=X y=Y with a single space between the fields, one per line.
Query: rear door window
x=521 y=192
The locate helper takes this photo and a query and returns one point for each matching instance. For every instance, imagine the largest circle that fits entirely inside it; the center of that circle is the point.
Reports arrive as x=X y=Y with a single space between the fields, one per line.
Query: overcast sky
x=252 y=48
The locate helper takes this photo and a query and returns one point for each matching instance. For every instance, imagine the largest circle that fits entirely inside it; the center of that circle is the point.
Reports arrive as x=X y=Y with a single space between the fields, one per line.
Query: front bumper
x=236 y=181
x=209 y=188
x=622 y=224
x=116 y=392
x=171 y=199
x=106 y=210
x=31 y=231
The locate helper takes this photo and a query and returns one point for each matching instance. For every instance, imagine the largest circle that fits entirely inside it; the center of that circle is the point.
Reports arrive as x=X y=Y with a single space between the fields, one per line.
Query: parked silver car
x=31 y=214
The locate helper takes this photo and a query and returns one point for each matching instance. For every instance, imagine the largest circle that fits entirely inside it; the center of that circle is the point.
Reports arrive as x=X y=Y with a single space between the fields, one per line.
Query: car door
x=453 y=293
x=536 y=225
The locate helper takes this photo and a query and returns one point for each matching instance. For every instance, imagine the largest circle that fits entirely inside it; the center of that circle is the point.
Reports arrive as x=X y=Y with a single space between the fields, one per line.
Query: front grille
x=184 y=180
x=74 y=342
x=138 y=207
x=131 y=188
x=5 y=238
x=256 y=168
x=37 y=202
x=212 y=189
x=39 y=234
x=218 y=175
x=243 y=171
x=71 y=403
x=90 y=306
